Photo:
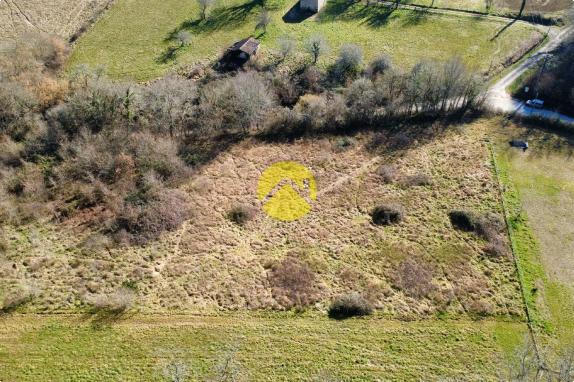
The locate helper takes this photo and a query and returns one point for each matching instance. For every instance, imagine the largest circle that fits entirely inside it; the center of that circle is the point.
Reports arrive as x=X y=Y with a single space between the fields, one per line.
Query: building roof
x=247 y=45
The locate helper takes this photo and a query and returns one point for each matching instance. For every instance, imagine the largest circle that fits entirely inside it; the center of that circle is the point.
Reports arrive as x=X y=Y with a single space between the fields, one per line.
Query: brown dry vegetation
x=60 y=17
x=212 y=262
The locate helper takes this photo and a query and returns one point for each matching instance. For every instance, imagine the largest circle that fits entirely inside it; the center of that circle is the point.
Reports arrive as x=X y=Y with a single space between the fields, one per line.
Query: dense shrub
x=417 y=180
x=387 y=214
x=293 y=283
x=463 y=220
x=349 y=62
x=240 y=215
x=15 y=300
x=350 y=305
x=388 y=174
x=149 y=212
x=379 y=65
x=115 y=303
x=168 y=105
x=488 y=226
x=235 y=104
x=414 y=278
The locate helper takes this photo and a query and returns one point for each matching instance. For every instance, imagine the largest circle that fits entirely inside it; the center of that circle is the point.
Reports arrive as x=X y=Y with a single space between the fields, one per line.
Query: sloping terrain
x=213 y=263
x=60 y=17
x=123 y=42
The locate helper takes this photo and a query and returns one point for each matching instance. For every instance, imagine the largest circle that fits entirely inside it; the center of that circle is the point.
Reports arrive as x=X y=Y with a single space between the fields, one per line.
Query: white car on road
x=535 y=103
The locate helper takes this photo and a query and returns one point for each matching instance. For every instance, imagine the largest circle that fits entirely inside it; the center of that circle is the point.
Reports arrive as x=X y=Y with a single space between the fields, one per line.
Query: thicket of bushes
x=350 y=305
x=116 y=152
x=488 y=226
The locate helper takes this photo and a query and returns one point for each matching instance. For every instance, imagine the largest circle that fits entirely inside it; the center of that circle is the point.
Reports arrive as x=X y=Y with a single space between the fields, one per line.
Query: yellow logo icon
x=287 y=190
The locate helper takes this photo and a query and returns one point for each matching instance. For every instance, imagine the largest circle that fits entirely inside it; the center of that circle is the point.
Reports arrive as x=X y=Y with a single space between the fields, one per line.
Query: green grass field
x=131 y=39
x=539 y=193
x=272 y=347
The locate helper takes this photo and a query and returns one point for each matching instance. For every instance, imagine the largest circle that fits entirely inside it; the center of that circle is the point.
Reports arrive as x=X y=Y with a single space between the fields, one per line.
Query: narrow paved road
x=498 y=98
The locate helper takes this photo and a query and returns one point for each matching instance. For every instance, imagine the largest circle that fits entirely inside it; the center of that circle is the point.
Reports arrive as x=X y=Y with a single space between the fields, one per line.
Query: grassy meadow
x=274 y=347
x=132 y=38
x=539 y=193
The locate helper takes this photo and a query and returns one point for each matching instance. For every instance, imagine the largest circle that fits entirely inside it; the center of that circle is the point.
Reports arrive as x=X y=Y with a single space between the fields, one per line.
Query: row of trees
x=84 y=142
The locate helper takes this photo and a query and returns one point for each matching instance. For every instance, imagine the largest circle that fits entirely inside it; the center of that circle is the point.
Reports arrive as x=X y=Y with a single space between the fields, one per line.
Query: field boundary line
x=515 y=258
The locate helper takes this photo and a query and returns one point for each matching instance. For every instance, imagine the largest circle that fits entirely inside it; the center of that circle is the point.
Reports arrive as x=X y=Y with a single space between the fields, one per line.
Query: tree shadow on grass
x=374 y=15
x=103 y=318
x=501 y=30
x=228 y=18
x=415 y=17
x=170 y=54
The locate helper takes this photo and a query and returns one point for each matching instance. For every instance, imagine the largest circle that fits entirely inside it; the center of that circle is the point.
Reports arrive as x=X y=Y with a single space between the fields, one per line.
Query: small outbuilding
x=239 y=53
x=311 y=5
x=245 y=48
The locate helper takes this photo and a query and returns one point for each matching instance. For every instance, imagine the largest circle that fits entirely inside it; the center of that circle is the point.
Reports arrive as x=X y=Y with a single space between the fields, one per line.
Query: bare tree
x=379 y=65
x=235 y=104
x=286 y=46
x=316 y=46
x=263 y=20
x=204 y=6
x=175 y=371
x=227 y=368
x=183 y=37
x=350 y=60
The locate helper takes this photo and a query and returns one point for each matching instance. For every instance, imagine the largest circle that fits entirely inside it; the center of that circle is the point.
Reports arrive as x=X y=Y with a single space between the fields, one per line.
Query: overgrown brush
x=387 y=214
x=350 y=305
x=293 y=283
x=487 y=226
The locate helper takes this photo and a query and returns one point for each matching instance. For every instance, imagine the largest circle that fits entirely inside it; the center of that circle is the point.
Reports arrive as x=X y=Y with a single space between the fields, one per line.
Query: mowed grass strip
x=273 y=347
x=133 y=37
x=539 y=188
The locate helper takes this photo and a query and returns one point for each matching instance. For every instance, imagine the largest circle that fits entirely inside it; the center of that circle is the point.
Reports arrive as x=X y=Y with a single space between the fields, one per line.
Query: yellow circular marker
x=287 y=190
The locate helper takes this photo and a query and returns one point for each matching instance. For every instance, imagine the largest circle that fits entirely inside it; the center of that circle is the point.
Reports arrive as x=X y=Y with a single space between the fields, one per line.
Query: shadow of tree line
x=372 y=14
x=223 y=18
x=375 y=15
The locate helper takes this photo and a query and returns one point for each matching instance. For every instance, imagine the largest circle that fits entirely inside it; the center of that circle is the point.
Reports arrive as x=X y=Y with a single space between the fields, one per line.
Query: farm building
x=239 y=53
x=244 y=49
x=311 y=5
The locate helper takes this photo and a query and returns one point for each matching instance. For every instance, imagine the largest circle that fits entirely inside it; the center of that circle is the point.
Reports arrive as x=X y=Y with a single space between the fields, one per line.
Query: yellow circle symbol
x=287 y=190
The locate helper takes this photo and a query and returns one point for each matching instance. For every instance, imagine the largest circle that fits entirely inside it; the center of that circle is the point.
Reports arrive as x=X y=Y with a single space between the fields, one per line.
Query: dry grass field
x=213 y=263
x=60 y=17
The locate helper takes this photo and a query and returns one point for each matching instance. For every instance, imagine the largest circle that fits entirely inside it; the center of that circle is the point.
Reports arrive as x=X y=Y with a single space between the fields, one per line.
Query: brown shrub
x=95 y=243
x=387 y=173
x=480 y=308
x=416 y=180
x=489 y=227
x=350 y=305
x=10 y=152
x=293 y=283
x=387 y=214
x=15 y=300
x=240 y=214
x=118 y=302
x=414 y=278
x=148 y=214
